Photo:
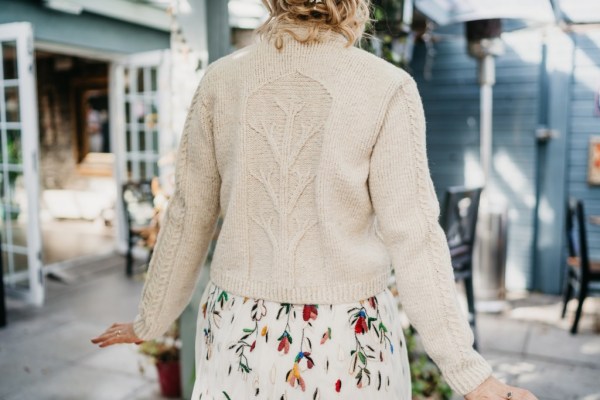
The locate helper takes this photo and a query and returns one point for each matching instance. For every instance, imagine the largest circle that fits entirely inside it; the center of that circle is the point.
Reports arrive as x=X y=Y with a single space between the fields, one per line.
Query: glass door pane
x=137 y=125
x=20 y=238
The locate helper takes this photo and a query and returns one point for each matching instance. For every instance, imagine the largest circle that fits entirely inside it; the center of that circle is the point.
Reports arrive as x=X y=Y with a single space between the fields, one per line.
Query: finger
x=111 y=341
x=108 y=334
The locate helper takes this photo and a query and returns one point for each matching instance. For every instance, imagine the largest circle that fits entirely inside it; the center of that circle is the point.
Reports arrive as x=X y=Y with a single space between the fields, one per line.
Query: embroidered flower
x=284 y=342
x=310 y=311
x=361 y=323
x=305 y=354
x=259 y=310
x=294 y=376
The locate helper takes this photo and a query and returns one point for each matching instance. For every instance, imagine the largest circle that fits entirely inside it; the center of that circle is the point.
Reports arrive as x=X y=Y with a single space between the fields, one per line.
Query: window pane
x=127 y=112
x=9 y=60
x=154 y=79
x=140 y=79
x=126 y=81
x=20 y=261
x=155 y=141
x=13 y=146
x=141 y=140
x=12 y=103
x=143 y=169
x=128 y=140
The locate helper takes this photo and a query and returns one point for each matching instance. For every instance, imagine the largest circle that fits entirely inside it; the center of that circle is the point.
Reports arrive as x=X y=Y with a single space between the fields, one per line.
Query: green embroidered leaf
x=248 y=329
x=226 y=395
x=382 y=327
x=362 y=357
x=329 y=332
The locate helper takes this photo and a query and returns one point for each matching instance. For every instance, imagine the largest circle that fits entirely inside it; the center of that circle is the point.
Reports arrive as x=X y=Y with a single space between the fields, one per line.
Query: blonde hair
x=347 y=17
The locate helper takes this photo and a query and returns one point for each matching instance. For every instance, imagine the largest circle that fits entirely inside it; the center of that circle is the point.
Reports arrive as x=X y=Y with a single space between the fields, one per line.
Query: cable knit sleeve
x=188 y=226
x=407 y=211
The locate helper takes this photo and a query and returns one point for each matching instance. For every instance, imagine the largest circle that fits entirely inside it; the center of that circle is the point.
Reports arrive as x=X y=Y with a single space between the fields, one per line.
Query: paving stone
x=501 y=335
x=558 y=344
x=77 y=383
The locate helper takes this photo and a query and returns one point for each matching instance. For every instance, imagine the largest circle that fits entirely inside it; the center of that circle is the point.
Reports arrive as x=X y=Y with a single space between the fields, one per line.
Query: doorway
x=77 y=186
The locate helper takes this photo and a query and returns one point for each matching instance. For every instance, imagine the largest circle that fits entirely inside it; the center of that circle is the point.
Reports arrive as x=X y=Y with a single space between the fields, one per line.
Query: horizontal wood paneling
x=583 y=123
x=451 y=101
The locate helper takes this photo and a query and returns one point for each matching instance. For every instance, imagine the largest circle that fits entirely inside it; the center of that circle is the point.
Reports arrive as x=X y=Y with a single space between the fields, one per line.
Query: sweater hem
x=324 y=294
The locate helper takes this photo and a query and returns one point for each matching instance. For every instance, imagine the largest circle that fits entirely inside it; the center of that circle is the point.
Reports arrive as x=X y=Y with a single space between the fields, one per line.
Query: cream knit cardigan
x=315 y=155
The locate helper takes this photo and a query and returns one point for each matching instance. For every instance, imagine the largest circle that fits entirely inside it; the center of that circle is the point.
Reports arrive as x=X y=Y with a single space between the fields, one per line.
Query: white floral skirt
x=250 y=348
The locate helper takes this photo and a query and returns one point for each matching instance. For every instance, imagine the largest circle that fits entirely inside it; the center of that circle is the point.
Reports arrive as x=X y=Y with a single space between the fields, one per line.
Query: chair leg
x=568 y=293
x=150 y=252
x=581 y=297
x=468 y=281
x=129 y=259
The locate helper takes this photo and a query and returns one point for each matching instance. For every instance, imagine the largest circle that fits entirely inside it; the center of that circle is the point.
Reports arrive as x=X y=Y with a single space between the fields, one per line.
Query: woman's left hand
x=494 y=389
x=117 y=333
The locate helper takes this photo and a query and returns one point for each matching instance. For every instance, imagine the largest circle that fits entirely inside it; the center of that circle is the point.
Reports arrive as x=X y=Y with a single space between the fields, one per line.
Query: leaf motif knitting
x=286 y=173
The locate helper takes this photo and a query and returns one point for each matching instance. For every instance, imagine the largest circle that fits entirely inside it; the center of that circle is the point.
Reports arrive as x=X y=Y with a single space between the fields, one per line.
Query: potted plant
x=165 y=354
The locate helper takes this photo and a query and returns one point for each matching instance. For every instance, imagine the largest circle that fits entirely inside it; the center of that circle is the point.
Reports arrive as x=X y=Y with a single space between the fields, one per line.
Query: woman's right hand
x=493 y=389
x=117 y=333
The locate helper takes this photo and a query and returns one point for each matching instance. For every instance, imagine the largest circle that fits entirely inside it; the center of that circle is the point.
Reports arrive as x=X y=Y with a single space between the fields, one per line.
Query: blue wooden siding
x=88 y=31
x=451 y=101
x=583 y=123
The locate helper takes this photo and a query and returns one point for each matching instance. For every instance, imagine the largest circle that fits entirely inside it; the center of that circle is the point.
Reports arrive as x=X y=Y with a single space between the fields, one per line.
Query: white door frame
x=22 y=33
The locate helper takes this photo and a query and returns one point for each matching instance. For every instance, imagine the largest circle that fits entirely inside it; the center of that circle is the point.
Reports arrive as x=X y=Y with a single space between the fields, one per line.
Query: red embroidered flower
x=252 y=345
x=338 y=385
x=372 y=302
x=361 y=324
x=309 y=312
x=284 y=342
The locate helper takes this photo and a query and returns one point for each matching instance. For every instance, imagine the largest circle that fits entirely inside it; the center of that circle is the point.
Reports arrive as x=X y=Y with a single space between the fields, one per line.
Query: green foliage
x=385 y=36
x=164 y=349
x=427 y=381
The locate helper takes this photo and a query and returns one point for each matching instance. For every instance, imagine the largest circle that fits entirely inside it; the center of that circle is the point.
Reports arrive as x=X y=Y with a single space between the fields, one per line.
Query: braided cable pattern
x=407 y=209
x=183 y=240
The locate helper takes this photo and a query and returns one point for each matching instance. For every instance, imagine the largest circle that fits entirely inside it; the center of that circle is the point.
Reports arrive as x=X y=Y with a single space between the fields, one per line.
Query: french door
x=139 y=87
x=21 y=241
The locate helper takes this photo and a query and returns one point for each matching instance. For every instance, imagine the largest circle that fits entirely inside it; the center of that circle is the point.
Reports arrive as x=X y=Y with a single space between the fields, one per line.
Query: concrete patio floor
x=45 y=353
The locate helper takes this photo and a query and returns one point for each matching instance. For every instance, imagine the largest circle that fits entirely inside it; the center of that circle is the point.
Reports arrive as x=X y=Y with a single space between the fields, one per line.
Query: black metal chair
x=138 y=203
x=2 y=299
x=582 y=274
x=459 y=220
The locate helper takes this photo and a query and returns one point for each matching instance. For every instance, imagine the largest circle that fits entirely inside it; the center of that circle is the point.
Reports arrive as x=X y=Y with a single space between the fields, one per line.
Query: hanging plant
x=389 y=35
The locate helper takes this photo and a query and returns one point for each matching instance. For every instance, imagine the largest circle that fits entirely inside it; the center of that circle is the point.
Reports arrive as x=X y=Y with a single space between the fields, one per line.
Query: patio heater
x=483 y=27
x=484 y=44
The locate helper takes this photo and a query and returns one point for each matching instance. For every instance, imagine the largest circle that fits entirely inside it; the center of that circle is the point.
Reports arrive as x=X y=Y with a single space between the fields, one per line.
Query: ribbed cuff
x=469 y=375
x=140 y=329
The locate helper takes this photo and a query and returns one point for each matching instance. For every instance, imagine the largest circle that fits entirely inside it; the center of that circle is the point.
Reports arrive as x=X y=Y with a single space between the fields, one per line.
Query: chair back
x=138 y=203
x=577 y=236
x=459 y=220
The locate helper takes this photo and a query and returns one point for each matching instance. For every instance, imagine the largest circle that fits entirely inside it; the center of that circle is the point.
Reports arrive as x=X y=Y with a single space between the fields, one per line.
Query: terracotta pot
x=169 y=377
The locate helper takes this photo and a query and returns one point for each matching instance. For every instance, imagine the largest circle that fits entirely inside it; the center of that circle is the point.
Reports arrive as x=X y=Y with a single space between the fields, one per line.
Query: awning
x=445 y=12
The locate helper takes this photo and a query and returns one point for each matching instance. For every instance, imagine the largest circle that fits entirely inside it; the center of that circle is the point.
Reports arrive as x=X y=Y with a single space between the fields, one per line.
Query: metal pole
x=487 y=78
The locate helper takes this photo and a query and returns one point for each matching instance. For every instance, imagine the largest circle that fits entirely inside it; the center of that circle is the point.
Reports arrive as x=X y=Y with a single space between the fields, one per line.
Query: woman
x=314 y=152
